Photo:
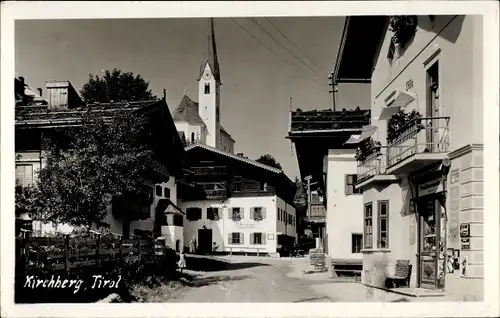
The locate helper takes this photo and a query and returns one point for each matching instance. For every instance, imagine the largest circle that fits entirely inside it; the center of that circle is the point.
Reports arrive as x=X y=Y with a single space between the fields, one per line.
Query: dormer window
x=207 y=88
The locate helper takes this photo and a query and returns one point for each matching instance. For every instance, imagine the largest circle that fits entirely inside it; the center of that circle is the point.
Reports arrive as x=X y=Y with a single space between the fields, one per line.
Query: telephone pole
x=333 y=90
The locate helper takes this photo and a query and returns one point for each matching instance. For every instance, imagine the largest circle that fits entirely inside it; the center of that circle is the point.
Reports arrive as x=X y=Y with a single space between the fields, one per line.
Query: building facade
x=329 y=166
x=421 y=166
x=235 y=204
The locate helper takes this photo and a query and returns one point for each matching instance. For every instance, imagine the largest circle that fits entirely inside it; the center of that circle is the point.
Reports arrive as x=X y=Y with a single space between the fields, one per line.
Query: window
x=258 y=213
x=24 y=175
x=192 y=137
x=207 y=88
x=166 y=192
x=235 y=238
x=263 y=186
x=236 y=214
x=178 y=220
x=193 y=214
x=357 y=240
x=158 y=190
x=350 y=181
x=257 y=239
x=383 y=224
x=213 y=213
x=368 y=226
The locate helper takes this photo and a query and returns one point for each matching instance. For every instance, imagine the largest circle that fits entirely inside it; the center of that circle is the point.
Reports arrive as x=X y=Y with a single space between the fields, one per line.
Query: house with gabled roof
x=65 y=109
x=236 y=204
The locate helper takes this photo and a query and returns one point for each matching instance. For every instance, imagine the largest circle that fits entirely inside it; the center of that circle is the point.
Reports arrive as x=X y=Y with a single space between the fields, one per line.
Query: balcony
x=317 y=214
x=252 y=193
x=374 y=164
x=373 y=169
x=422 y=142
x=218 y=194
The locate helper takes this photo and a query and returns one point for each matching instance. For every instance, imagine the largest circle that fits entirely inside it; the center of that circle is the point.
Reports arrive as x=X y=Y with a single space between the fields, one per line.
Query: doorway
x=205 y=241
x=432 y=243
x=432 y=109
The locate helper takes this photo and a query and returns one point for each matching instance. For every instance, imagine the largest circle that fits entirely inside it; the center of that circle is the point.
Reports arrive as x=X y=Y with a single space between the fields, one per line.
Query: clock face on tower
x=207 y=75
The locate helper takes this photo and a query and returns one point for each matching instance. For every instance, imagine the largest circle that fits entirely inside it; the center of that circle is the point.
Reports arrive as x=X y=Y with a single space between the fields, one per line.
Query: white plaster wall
x=207 y=109
x=458 y=48
x=223 y=226
x=198 y=130
x=287 y=229
x=403 y=232
x=344 y=212
x=172 y=234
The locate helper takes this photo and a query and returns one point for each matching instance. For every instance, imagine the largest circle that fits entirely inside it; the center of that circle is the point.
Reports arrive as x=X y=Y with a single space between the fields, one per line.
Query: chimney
x=39 y=91
x=21 y=78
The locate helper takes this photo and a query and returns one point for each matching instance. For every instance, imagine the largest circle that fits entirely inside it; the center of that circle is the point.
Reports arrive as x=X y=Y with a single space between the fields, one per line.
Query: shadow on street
x=205 y=281
x=206 y=264
x=314 y=299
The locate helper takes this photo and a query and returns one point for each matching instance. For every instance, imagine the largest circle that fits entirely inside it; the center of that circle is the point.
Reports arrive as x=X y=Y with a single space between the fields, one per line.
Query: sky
x=259 y=76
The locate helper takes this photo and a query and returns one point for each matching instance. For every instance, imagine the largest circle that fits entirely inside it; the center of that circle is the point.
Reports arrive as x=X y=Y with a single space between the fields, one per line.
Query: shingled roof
x=188 y=111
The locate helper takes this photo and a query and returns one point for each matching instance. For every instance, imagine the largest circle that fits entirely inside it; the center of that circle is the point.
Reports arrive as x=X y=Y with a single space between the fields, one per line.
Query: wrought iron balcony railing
x=374 y=164
x=216 y=194
x=421 y=135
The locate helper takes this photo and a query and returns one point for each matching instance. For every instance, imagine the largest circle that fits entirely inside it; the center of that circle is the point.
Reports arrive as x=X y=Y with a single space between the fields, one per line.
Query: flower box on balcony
x=401 y=122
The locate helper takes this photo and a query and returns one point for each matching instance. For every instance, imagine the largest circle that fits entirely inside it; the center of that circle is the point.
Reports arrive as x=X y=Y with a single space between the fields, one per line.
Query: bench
x=402 y=273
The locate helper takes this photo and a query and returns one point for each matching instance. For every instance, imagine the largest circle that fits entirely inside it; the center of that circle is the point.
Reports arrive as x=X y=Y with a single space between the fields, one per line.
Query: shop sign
x=245 y=225
x=430 y=187
x=465 y=243
x=464 y=230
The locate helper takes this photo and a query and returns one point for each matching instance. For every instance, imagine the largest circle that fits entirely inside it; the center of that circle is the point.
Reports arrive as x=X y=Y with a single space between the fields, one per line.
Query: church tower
x=209 y=92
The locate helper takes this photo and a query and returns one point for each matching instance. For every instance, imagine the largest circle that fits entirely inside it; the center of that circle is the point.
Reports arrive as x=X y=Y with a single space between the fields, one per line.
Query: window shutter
x=263 y=237
x=242 y=213
x=251 y=213
x=252 y=238
x=229 y=237
x=230 y=213
x=263 y=213
x=347 y=188
x=242 y=238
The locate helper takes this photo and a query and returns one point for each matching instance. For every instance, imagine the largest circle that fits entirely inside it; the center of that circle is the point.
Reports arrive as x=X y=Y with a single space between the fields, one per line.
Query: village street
x=262 y=279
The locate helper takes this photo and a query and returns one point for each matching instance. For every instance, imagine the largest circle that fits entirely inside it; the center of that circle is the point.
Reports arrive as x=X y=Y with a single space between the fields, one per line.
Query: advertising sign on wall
x=464 y=230
x=465 y=243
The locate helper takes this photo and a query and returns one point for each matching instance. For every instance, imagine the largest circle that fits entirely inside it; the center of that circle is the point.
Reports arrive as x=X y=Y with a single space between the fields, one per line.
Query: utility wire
x=284 y=47
x=256 y=39
x=295 y=46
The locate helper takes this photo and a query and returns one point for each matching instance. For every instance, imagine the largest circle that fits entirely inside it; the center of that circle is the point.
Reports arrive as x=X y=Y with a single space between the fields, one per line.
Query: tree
x=86 y=167
x=116 y=86
x=270 y=161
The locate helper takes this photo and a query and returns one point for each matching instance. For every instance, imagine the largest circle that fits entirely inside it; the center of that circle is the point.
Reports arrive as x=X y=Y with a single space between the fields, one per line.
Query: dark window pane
x=383 y=209
x=383 y=225
x=158 y=190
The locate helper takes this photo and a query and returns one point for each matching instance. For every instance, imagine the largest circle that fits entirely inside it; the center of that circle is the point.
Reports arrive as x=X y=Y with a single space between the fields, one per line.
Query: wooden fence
x=53 y=254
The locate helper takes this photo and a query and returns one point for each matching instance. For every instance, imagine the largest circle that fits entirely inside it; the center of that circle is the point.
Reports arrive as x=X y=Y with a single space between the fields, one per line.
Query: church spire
x=211 y=57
